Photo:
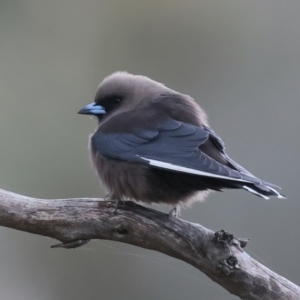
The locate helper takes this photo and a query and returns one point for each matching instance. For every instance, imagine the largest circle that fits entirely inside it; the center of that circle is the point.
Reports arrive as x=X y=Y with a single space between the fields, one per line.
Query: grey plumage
x=154 y=144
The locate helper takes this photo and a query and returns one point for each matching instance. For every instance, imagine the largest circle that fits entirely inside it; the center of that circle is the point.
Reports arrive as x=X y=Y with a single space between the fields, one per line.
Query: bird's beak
x=92 y=109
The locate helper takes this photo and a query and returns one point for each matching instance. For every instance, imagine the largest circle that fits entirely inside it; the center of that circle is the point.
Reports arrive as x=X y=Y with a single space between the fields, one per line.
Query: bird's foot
x=108 y=197
x=119 y=204
x=174 y=213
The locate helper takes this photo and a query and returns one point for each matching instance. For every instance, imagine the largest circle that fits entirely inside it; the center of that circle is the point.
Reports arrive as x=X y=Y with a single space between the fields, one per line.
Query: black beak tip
x=81 y=111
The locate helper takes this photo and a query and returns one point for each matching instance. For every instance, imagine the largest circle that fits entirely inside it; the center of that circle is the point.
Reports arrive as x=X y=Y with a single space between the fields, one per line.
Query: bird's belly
x=122 y=179
x=142 y=183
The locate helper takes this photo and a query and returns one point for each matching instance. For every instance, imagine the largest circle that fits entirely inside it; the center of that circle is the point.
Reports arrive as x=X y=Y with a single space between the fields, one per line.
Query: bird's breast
x=122 y=179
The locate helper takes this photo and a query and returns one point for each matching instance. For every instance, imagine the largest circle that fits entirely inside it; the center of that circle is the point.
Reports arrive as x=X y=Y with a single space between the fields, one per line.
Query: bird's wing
x=167 y=144
x=220 y=147
x=222 y=156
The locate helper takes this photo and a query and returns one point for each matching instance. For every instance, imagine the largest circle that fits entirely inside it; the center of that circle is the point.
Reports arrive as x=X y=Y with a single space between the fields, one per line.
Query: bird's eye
x=116 y=100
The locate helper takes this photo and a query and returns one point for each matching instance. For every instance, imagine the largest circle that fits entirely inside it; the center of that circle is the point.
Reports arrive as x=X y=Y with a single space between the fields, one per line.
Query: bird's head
x=120 y=92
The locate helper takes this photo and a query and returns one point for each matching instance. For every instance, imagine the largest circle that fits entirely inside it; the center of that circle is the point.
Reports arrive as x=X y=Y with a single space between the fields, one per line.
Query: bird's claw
x=119 y=204
x=174 y=213
x=107 y=197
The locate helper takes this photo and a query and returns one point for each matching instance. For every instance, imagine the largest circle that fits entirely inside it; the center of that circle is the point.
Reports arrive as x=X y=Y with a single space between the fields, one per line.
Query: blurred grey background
x=239 y=59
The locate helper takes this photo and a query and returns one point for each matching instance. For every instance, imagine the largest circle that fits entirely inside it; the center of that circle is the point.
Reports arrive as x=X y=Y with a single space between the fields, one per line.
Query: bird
x=154 y=145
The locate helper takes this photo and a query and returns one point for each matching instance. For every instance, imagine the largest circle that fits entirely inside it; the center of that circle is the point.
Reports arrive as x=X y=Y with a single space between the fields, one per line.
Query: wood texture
x=219 y=255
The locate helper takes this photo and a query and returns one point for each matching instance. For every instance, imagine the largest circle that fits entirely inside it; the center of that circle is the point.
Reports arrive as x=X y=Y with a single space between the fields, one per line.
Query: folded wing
x=171 y=145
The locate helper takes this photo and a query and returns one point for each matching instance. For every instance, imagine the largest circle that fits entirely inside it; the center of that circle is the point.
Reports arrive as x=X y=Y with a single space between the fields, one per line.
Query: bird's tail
x=264 y=190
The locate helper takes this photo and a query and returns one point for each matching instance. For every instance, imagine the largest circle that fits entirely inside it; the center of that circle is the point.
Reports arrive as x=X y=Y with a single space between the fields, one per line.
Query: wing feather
x=171 y=145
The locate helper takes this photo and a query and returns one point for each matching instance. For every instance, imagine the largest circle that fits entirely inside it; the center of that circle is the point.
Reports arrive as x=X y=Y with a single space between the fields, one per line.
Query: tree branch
x=219 y=255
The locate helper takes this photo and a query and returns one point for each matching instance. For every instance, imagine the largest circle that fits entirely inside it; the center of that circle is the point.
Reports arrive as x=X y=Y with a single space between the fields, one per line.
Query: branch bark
x=219 y=255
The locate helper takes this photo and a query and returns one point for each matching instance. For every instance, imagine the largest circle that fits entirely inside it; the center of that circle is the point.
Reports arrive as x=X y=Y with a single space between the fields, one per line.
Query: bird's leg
x=174 y=213
x=119 y=203
x=107 y=197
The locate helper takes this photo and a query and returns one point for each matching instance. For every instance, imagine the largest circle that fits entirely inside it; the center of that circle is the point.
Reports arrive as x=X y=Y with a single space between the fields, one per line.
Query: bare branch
x=219 y=255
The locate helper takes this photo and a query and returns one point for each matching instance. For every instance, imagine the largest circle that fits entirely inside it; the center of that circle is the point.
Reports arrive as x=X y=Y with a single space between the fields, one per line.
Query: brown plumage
x=154 y=144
